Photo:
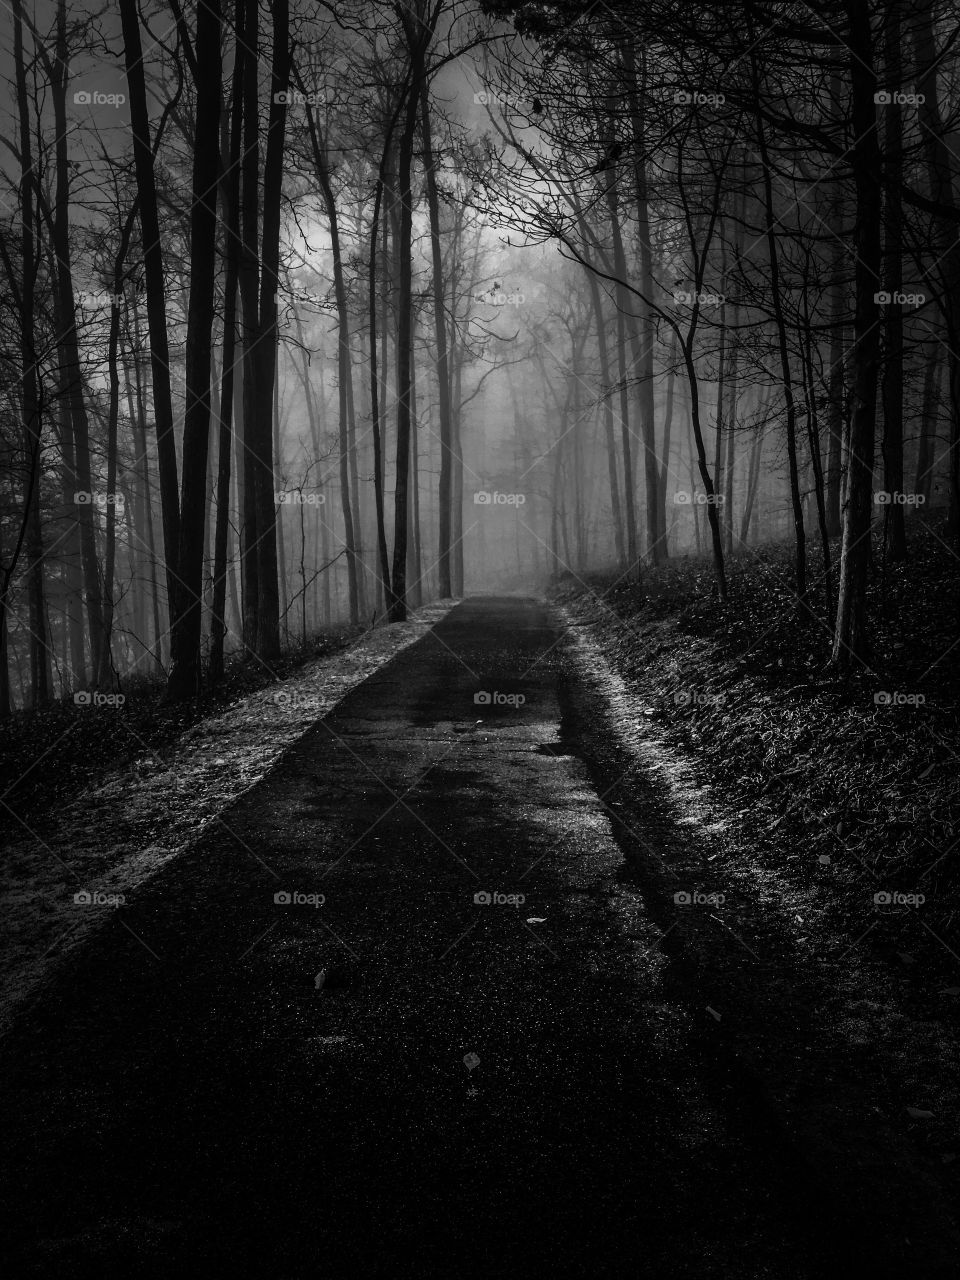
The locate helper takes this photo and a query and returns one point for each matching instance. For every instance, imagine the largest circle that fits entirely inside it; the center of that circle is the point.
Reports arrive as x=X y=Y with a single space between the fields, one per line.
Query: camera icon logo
x=482 y=498
x=83 y=698
x=83 y=898
x=82 y=98
x=682 y=898
x=883 y=97
x=483 y=699
x=281 y=98
x=882 y=298
x=283 y=898
x=482 y=899
x=681 y=498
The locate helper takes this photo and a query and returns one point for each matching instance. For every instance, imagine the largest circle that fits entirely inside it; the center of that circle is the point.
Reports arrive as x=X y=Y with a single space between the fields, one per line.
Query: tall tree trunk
x=940 y=175
x=445 y=512
x=753 y=476
x=184 y=678
x=706 y=479
x=142 y=454
x=892 y=391
x=377 y=379
x=230 y=203
x=655 y=520
x=836 y=381
x=418 y=34
x=71 y=375
x=627 y=552
x=850 y=638
x=104 y=674
x=665 y=452
x=344 y=374
x=268 y=616
x=153 y=276
x=800 y=540
x=606 y=390
x=248 y=274
x=30 y=385
x=816 y=461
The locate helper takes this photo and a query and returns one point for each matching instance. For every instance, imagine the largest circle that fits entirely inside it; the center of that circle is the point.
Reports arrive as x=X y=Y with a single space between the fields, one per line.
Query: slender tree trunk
x=184 y=678
x=785 y=373
x=753 y=477
x=156 y=300
x=705 y=477
x=627 y=552
x=268 y=620
x=655 y=520
x=104 y=675
x=850 y=640
x=816 y=461
x=440 y=336
x=664 y=473
x=30 y=386
x=892 y=389
x=142 y=451
x=418 y=36
x=230 y=203
x=835 y=379
x=344 y=375
x=606 y=390
x=250 y=324
x=281 y=546
x=940 y=176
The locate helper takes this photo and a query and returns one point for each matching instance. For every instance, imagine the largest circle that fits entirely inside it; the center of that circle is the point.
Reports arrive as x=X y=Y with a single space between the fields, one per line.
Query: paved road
x=473 y=1089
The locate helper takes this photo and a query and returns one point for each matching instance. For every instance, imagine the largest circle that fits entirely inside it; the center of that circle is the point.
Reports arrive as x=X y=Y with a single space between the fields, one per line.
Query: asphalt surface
x=403 y=1081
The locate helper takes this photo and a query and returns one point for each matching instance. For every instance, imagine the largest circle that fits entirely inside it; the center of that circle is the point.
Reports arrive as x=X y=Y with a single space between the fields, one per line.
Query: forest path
x=403 y=1081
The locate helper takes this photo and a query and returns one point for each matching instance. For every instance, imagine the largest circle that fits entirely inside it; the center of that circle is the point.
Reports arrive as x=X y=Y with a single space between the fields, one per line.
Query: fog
x=629 y=295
